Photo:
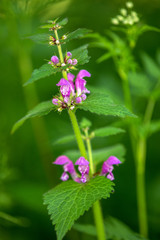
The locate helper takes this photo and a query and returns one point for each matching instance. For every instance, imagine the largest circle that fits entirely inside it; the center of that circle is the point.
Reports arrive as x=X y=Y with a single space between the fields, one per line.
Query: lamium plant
x=87 y=175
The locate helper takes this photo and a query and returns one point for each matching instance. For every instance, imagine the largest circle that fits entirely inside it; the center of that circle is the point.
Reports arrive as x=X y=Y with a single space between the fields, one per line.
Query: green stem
x=139 y=153
x=97 y=211
x=140 y=178
x=77 y=133
x=126 y=89
x=149 y=111
x=98 y=217
x=89 y=151
x=96 y=206
x=64 y=73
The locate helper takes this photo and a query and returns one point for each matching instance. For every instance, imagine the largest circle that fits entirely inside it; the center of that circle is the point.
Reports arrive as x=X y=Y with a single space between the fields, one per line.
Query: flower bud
x=69 y=61
x=55 y=60
x=74 y=61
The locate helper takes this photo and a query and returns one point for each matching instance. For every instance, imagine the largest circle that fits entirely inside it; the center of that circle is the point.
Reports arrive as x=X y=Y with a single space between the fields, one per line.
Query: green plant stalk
x=140 y=178
x=97 y=211
x=96 y=206
x=139 y=153
x=77 y=133
x=88 y=141
x=64 y=73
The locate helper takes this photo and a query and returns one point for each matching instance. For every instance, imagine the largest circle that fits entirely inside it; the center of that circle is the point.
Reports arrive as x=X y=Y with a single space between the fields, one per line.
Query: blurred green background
x=26 y=171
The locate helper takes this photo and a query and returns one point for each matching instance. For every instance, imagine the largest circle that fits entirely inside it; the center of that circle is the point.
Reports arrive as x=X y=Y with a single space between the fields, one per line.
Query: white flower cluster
x=126 y=16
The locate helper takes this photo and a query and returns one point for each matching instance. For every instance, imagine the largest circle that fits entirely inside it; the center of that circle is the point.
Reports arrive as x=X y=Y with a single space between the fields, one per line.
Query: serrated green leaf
x=44 y=71
x=151 y=66
x=80 y=32
x=63 y=22
x=42 y=38
x=65 y=139
x=117 y=230
x=107 y=131
x=102 y=104
x=140 y=84
x=53 y=23
x=41 y=109
x=81 y=54
x=100 y=155
x=114 y=228
x=69 y=200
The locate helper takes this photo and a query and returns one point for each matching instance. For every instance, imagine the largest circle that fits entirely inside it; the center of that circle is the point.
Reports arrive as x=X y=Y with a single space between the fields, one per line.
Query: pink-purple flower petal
x=55 y=59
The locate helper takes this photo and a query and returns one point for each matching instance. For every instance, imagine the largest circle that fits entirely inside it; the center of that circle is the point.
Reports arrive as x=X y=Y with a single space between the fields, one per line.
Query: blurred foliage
x=23 y=177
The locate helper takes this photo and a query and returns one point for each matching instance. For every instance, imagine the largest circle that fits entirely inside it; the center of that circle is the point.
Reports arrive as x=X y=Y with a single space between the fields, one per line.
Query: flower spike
x=72 y=93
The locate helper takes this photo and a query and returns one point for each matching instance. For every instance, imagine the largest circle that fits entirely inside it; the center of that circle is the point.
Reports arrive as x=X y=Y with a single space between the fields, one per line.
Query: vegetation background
x=26 y=171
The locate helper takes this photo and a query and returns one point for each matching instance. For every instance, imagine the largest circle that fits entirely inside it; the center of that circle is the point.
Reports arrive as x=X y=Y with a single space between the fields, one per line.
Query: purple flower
x=69 y=61
x=68 y=166
x=80 y=82
x=107 y=167
x=69 y=54
x=74 y=61
x=72 y=93
x=55 y=101
x=55 y=60
x=83 y=167
x=65 y=87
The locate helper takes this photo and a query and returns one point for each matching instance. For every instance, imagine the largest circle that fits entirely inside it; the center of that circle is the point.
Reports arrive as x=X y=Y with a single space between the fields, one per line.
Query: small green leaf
x=41 y=109
x=117 y=230
x=81 y=54
x=63 y=22
x=65 y=139
x=107 y=131
x=114 y=228
x=53 y=23
x=151 y=66
x=69 y=200
x=42 y=38
x=101 y=103
x=85 y=123
x=44 y=71
x=100 y=155
x=80 y=32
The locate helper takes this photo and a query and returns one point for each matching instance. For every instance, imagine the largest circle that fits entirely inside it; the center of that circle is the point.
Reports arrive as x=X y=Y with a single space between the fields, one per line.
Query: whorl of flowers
x=68 y=61
x=71 y=92
x=83 y=168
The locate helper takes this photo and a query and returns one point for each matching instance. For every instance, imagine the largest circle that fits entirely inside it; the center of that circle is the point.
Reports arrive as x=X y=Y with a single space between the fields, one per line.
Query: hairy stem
x=97 y=211
x=64 y=73
x=77 y=133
